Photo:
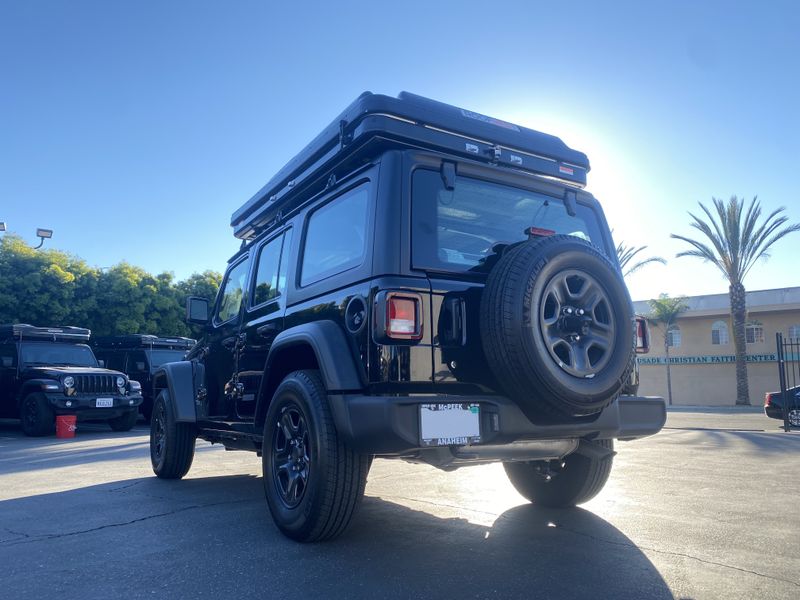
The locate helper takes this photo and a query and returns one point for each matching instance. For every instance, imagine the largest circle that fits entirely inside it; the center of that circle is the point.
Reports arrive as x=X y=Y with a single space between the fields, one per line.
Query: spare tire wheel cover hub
x=576 y=322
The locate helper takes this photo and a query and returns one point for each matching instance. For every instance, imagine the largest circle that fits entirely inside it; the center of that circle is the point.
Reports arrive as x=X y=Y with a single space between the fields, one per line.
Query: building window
x=719 y=333
x=754 y=333
x=674 y=336
x=794 y=334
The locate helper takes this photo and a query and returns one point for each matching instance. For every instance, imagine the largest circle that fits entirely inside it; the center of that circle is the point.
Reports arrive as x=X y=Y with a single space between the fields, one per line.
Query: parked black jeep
x=138 y=356
x=49 y=371
x=421 y=282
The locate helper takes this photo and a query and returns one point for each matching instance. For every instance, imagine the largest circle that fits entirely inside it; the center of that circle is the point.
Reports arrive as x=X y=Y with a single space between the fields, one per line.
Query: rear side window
x=335 y=237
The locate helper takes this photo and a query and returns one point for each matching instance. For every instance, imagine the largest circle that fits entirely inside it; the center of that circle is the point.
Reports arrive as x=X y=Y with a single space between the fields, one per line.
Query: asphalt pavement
x=706 y=509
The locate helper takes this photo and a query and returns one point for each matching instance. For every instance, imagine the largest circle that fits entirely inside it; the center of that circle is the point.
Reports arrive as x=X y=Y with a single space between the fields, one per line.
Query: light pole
x=44 y=234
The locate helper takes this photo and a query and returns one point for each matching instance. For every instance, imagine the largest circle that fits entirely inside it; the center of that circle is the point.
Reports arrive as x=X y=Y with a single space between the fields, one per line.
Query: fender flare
x=181 y=379
x=332 y=350
x=31 y=386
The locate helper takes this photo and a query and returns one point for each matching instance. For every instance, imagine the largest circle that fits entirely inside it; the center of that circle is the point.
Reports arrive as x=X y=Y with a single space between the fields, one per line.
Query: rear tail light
x=398 y=316
x=642 y=336
x=768 y=400
x=402 y=316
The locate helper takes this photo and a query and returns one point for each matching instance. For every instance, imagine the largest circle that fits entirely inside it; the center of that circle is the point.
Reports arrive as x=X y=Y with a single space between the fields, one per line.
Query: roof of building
x=718 y=304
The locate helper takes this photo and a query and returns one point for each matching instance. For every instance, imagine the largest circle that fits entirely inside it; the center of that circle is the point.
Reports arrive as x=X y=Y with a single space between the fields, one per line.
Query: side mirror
x=197 y=310
x=642 y=336
x=101 y=363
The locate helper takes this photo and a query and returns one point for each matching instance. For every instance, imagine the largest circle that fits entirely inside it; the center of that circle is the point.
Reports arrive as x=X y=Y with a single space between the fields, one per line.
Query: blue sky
x=134 y=129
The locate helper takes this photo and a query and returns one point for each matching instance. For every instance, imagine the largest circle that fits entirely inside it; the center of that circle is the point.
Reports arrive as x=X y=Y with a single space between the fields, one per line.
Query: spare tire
x=557 y=327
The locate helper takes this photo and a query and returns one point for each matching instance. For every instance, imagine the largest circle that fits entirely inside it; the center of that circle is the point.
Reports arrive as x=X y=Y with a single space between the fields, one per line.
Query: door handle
x=267 y=330
x=229 y=343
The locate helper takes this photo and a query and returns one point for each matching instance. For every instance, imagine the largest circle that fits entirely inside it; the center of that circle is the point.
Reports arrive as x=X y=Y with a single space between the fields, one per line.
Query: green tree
x=734 y=241
x=626 y=255
x=50 y=287
x=43 y=287
x=664 y=314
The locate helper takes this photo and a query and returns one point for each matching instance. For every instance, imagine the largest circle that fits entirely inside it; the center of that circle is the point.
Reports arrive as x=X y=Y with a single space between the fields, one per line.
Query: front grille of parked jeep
x=95 y=384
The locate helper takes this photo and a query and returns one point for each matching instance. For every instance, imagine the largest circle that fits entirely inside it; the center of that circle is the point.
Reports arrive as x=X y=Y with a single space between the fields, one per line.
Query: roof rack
x=412 y=121
x=23 y=331
x=143 y=341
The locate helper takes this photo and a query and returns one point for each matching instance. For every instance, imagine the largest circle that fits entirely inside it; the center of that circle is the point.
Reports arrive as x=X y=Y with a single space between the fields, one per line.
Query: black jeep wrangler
x=49 y=371
x=421 y=282
x=138 y=356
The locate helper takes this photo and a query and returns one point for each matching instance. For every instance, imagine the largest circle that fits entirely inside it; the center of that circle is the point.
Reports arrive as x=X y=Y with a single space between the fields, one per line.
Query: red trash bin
x=65 y=426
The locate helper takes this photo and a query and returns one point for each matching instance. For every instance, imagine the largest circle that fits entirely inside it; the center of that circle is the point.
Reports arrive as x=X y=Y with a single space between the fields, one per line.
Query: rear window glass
x=463 y=229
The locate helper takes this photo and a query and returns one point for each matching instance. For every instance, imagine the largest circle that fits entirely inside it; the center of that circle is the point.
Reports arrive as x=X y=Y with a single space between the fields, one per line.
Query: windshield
x=160 y=357
x=45 y=353
x=459 y=229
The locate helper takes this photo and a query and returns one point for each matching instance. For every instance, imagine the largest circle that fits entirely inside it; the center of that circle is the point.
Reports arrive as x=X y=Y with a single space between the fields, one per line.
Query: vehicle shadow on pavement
x=527 y=552
x=213 y=536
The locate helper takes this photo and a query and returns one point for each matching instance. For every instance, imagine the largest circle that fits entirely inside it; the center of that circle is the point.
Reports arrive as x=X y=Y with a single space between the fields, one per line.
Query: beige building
x=701 y=348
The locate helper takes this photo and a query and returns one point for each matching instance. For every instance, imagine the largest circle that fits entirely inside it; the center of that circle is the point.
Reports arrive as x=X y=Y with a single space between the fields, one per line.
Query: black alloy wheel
x=158 y=432
x=313 y=482
x=576 y=323
x=37 y=418
x=172 y=444
x=291 y=449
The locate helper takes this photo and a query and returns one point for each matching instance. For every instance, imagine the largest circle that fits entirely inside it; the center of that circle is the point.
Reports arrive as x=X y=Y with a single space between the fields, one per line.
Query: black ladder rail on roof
x=415 y=121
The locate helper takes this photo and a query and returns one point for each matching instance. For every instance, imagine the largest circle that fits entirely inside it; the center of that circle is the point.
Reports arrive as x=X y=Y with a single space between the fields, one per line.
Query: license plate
x=104 y=403
x=449 y=424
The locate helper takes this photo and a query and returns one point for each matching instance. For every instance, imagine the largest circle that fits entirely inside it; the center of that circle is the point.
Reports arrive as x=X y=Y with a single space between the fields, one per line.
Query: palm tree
x=665 y=311
x=625 y=254
x=736 y=244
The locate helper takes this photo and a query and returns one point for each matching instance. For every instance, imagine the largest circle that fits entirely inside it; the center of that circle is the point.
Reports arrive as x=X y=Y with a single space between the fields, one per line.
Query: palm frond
x=737 y=238
x=626 y=254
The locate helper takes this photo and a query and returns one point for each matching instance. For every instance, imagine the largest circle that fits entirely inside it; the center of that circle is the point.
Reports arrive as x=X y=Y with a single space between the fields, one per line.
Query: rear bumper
x=390 y=425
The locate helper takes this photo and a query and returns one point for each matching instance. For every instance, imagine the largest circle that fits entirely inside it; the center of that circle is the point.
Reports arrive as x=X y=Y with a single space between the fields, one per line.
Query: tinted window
x=459 y=229
x=232 y=291
x=269 y=258
x=335 y=237
x=137 y=362
x=161 y=357
x=113 y=360
x=8 y=356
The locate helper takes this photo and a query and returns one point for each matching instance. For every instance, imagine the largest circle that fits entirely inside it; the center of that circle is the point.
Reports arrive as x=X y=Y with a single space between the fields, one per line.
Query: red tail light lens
x=768 y=400
x=642 y=336
x=402 y=317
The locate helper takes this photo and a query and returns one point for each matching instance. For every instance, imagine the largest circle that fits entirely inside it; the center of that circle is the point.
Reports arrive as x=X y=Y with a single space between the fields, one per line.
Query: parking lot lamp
x=44 y=234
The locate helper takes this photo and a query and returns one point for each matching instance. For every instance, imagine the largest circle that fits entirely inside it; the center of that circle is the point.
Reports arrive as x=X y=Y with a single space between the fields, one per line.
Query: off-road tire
x=580 y=479
x=37 y=417
x=124 y=422
x=171 y=444
x=321 y=506
x=522 y=355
